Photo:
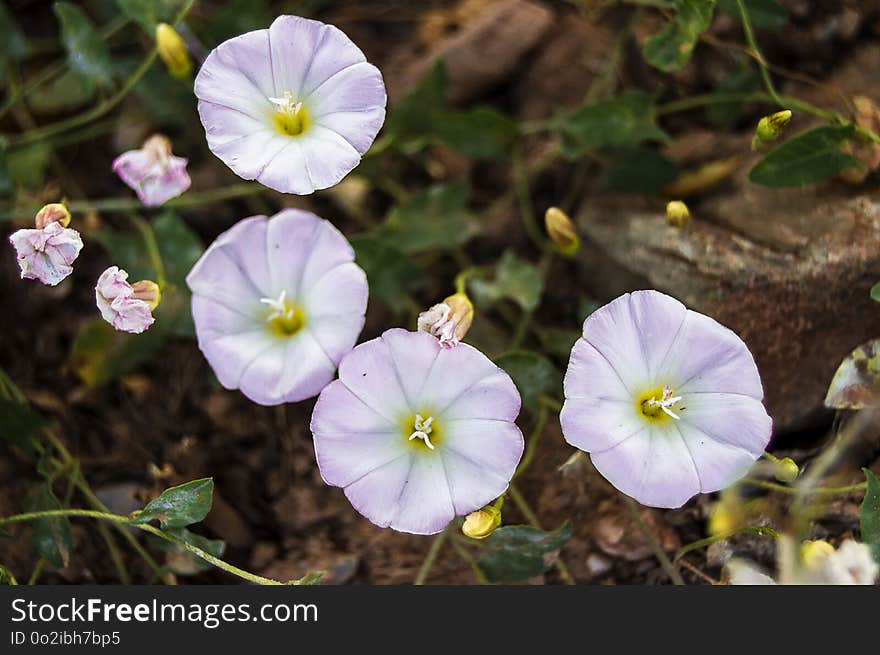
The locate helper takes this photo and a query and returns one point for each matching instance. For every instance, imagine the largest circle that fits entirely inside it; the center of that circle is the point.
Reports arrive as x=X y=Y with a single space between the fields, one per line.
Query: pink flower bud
x=153 y=172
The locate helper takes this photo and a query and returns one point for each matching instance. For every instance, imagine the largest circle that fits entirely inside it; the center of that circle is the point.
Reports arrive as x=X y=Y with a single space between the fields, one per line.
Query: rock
x=787 y=270
x=483 y=52
x=617 y=535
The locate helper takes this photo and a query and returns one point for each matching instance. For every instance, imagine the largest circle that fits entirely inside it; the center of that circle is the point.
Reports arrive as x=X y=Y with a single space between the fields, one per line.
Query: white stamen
x=286 y=104
x=279 y=306
x=422 y=430
x=666 y=401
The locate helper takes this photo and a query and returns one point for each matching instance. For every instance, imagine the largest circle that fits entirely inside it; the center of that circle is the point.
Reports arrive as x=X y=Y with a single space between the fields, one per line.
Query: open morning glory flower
x=293 y=106
x=153 y=172
x=46 y=254
x=666 y=401
x=415 y=433
x=127 y=307
x=277 y=302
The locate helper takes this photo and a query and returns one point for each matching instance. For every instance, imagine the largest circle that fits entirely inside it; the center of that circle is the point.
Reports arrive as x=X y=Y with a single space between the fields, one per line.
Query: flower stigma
x=285 y=318
x=290 y=117
x=654 y=404
x=422 y=430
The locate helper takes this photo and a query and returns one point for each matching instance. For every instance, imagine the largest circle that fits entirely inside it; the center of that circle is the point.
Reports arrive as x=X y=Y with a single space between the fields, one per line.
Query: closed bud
x=173 y=51
x=482 y=523
x=677 y=214
x=814 y=552
x=786 y=470
x=770 y=127
x=55 y=212
x=561 y=231
x=148 y=291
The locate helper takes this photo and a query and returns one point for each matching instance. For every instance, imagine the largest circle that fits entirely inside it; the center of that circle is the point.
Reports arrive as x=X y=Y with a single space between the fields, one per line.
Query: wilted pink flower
x=153 y=172
x=449 y=320
x=120 y=303
x=277 y=302
x=293 y=106
x=417 y=434
x=666 y=401
x=46 y=254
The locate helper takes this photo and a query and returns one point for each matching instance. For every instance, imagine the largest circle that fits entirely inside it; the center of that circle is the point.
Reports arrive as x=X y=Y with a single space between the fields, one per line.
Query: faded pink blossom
x=46 y=254
x=118 y=304
x=153 y=172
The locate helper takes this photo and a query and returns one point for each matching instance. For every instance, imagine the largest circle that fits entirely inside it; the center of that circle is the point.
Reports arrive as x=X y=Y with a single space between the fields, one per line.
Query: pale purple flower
x=293 y=106
x=118 y=302
x=277 y=302
x=666 y=401
x=153 y=172
x=415 y=433
x=46 y=254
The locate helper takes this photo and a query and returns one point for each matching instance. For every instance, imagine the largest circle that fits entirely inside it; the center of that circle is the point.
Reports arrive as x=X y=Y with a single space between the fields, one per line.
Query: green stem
x=149 y=236
x=467 y=557
x=124 y=520
x=753 y=44
x=659 y=553
x=708 y=541
x=132 y=204
x=524 y=197
x=101 y=108
x=530 y=516
x=819 y=491
x=431 y=557
x=534 y=437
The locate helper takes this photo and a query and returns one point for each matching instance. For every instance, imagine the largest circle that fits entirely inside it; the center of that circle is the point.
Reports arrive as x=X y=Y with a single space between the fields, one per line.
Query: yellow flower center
x=421 y=432
x=658 y=405
x=285 y=318
x=290 y=117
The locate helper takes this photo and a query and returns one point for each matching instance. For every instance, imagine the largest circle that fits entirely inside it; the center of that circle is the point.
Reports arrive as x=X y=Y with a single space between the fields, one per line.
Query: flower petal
x=597 y=424
x=653 y=466
x=493 y=445
x=237 y=74
x=305 y=53
x=732 y=419
x=377 y=494
x=425 y=505
x=454 y=372
x=470 y=485
x=591 y=375
x=494 y=397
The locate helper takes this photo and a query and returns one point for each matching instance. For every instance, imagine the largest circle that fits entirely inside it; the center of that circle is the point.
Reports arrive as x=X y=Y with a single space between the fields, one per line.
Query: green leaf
x=640 y=170
x=534 y=375
x=6 y=577
x=413 y=117
x=27 y=166
x=810 y=157
x=19 y=424
x=434 y=219
x=64 y=93
x=147 y=12
x=671 y=47
x=49 y=536
x=762 y=13
x=311 y=578
x=558 y=341
x=625 y=121
x=100 y=354
x=13 y=45
x=856 y=384
x=391 y=274
x=725 y=114
x=870 y=521
x=482 y=133
x=87 y=51
x=875 y=292
x=520 y=552
x=513 y=279
x=180 y=506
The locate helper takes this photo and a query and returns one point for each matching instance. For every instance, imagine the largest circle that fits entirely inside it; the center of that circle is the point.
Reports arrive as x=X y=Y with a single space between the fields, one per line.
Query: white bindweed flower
x=277 y=302
x=666 y=401
x=417 y=434
x=294 y=106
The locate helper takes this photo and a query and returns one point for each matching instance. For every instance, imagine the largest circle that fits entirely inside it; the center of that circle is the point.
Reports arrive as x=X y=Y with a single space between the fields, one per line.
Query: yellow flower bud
x=786 y=470
x=55 y=212
x=148 y=291
x=173 y=51
x=677 y=214
x=813 y=552
x=562 y=232
x=770 y=127
x=726 y=515
x=482 y=523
